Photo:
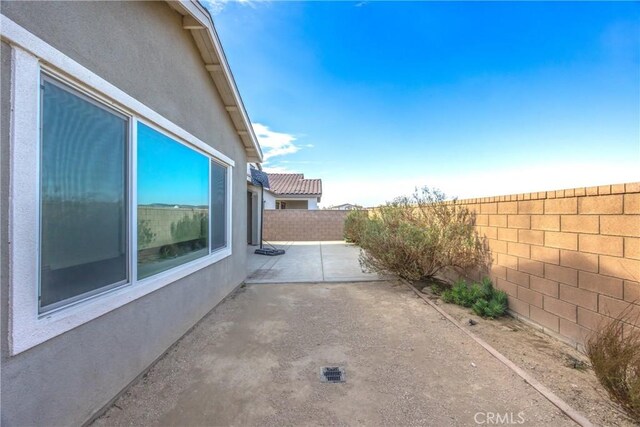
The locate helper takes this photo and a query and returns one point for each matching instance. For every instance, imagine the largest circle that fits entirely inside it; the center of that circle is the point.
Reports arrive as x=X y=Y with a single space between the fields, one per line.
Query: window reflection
x=173 y=203
x=218 y=205
x=83 y=206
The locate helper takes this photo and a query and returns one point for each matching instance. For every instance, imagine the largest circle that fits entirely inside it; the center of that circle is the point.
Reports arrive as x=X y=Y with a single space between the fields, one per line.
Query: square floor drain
x=332 y=374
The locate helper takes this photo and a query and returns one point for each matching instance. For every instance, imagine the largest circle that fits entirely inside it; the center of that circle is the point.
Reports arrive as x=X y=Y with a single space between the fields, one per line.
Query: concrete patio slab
x=256 y=360
x=308 y=262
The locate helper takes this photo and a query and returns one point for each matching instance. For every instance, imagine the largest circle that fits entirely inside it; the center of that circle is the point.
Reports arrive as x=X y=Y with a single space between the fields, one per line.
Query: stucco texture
x=141 y=48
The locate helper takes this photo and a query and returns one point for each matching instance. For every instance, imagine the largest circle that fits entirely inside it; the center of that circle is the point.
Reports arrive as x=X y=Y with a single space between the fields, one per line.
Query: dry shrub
x=614 y=352
x=354 y=225
x=420 y=236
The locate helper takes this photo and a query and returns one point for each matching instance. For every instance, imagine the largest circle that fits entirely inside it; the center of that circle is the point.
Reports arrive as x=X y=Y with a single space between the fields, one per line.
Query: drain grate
x=333 y=374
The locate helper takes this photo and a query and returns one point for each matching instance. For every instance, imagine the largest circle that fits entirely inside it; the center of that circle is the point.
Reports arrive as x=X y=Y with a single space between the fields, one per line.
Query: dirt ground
x=256 y=360
x=558 y=366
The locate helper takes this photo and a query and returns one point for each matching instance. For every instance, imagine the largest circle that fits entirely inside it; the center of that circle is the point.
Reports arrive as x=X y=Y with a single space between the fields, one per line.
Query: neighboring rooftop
x=345 y=206
x=294 y=184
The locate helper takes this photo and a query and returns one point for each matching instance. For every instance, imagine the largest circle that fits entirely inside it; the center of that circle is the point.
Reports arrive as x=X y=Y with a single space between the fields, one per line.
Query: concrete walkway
x=256 y=360
x=308 y=262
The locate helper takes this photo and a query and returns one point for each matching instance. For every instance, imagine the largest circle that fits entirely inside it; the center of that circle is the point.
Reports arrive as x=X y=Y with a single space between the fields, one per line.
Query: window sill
x=29 y=330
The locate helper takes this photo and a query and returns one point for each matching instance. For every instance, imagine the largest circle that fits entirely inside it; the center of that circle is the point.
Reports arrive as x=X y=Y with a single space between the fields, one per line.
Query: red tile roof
x=294 y=183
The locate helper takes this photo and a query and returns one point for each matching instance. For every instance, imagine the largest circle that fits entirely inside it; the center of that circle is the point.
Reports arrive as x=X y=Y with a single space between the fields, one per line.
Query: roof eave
x=298 y=194
x=196 y=19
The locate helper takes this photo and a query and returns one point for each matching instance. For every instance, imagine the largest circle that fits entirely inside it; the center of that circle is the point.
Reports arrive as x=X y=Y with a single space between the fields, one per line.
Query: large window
x=84 y=205
x=81 y=161
x=83 y=196
x=173 y=203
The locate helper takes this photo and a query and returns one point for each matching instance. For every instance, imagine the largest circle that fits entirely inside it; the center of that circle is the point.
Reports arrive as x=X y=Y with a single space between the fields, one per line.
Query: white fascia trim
x=53 y=58
x=195 y=9
x=26 y=328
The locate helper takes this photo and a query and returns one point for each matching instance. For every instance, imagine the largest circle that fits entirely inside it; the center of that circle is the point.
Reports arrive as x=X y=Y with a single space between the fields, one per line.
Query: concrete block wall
x=159 y=219
x=303 y=225
x=569 y=258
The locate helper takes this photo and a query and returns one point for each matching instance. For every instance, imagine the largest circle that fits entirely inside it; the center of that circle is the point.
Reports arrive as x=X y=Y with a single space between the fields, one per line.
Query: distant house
x=345 y=207
x=292 y=191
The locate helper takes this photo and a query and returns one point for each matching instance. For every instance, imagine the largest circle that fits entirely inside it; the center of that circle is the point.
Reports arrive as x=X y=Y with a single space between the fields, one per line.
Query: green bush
x=354 y=225
x=419 y=237
x=190 y=227
x=482 y=298
x=145 y=235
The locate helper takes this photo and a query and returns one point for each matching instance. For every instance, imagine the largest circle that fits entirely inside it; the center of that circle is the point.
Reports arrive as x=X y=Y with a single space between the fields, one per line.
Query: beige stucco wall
x=295 y=204
x=142 y=49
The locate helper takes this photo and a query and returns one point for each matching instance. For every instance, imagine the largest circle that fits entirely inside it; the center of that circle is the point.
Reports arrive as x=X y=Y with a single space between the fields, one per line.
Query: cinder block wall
x=303 y=225
x=566 y=258
x=158 y=221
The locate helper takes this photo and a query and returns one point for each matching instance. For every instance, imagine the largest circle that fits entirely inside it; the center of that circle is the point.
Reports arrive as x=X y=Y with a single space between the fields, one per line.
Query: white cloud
x=277 y=169
x=216 y=6
x=275 y=144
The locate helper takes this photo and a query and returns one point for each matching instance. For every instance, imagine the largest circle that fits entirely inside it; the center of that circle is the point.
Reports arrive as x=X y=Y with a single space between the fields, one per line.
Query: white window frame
x=30 y=57
x=73 y=90
x=224 y=251
x=228 y=234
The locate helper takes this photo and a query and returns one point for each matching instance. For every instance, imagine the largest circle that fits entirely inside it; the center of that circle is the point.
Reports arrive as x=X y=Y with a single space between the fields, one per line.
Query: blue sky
x=182 y=172
x=477 y=99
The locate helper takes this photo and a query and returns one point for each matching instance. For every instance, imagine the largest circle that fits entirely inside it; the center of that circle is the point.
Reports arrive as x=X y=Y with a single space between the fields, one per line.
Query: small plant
x=460 y=294
x=614 y=352
x=482 y=298
x=438 y=287
x=169 y=251
x=491 y=308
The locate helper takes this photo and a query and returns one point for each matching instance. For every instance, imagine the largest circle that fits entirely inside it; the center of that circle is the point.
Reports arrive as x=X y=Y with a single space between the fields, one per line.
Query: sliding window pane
x=218 y=205
x=83 y=209
x=173 y=203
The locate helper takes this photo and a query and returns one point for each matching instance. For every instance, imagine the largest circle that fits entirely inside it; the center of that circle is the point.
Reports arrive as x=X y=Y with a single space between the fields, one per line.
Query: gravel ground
x=256 y=359
x=560 y=367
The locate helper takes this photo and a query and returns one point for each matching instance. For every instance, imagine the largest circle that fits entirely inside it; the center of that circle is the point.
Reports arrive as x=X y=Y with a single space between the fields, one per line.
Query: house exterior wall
x=141 y=48
x=567 y=258
x=294 y=204
x=270 y=201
